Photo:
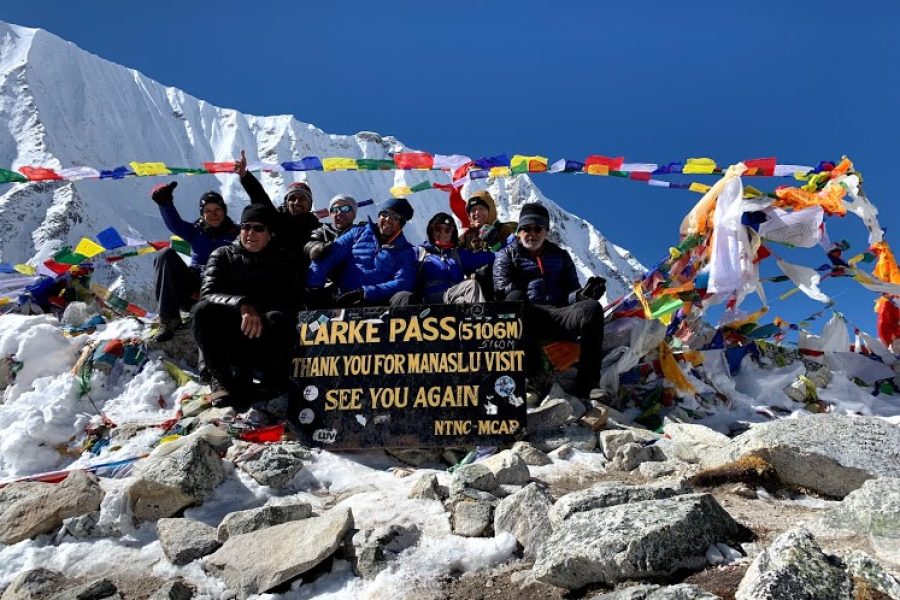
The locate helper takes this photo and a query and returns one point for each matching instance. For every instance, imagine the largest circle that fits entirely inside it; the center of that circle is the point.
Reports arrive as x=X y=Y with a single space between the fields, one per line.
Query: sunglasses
x=389 y=214
x=531 y=228
x=343 y=208
x=257 y=227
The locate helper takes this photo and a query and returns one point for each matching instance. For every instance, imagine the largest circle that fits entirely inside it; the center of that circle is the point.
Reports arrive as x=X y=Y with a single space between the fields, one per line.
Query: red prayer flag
x=219 y=167
x=613 y=164
x=136 y=310
x=263 y=434
x=461 y=172
x=413 y=160
x=640 y=175
x=457 y=204
x=56 y=267
x=159 y=245
x=762 y=253
x=760 y=166
x=40 y=174
x=536 y=166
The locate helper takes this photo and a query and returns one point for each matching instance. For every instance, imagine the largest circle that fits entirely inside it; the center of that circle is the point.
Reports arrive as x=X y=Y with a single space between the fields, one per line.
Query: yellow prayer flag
x=401 y=191
x=149 y=169
x=5 y=301
x=337 y=163
x=672 y=371
x=519 y=162
x=598 y=169
x=25 y=269
x=751 y=192
x=700 y=188
x=639 y=294
x=88 y=248
x=146 y=250
x=699 y=166
x=499 y=172
x=852 y=262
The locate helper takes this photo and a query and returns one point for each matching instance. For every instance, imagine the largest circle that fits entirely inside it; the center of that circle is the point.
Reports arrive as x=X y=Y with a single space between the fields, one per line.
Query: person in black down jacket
x=247 y=312
x=294 y=221
x=542 y=274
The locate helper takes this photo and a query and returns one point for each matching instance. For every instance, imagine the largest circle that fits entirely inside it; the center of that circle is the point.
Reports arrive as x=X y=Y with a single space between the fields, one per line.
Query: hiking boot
x=167 y=328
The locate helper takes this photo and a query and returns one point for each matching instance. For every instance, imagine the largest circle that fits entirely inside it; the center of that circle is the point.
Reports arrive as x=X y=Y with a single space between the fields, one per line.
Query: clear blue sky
x=653 y=81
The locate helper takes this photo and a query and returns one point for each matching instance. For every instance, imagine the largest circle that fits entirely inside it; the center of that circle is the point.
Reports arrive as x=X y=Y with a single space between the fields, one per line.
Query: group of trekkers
x=247 y=281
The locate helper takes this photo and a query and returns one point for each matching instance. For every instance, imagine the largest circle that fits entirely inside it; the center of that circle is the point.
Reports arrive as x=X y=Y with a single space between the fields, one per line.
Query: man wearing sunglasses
x=371 y=262
x=543 y=275
x=246 y=315
x=342 y=210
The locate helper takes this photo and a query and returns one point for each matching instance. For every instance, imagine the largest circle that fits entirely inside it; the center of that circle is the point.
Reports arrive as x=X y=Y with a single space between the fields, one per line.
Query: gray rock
x=508 y=468
x=612 y=439
x=95 y=590
x=174 y=590
x=580 y=438
x=552 y=413
x=863 y=567
x=564 y=452
x=471 y=518
x=245 y=521
x=630 y=456
x=301 y=546
x=216 y=414
x=507 y=489
x=90 y=526
x=34 y=585
x=532 y=588
x=375 y=549
x=831 y=454
x=655 y=470
x=694 y=444
x=524 y=514
x=873 y=509
x=475 y=476
x=173 y=482
x=531 y=455
x=186 y=540
x=182 y=347
x=640 y=540
x=29 y=509
x=682 y=591
x=276 y=464
x=794 y=567
x=607 y=494
x=428 y=488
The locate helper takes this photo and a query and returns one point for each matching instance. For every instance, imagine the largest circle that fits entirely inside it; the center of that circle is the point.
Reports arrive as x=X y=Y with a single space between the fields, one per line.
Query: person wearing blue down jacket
x=177 y=284
x=371 y=262
x=444 y=270
x=245 y=320
x=557 y=307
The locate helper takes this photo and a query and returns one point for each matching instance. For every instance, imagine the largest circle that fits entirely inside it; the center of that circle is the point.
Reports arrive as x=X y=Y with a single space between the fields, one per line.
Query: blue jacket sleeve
x=472 y=261
x=404 y=279
x=176 y=224
x=341 y=250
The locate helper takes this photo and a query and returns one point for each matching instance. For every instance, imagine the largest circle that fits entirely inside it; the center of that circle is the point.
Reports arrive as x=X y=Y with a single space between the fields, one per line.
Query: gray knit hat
x=346 y=199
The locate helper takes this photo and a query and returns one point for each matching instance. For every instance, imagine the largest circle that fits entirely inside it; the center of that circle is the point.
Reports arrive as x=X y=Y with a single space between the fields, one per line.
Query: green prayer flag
x=180 y=246
x=664 y=305
x=421 y=187
x=67 y=257
x=11 y=177
x=186 y=171
x=374 y=164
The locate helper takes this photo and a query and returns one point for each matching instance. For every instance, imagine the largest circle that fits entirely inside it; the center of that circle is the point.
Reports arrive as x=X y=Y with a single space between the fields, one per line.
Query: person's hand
x=162 y=193
x=354 y=298
x=251 y=322
x=593 y=289
x=321 y=253
x=240 y=165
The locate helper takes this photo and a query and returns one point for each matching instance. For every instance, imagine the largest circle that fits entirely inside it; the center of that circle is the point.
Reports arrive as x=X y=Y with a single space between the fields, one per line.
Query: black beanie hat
x=214 y=198
x=258 y=213
x=477 y=200
x=442 y=218
x=534 y=213
x=400 y=206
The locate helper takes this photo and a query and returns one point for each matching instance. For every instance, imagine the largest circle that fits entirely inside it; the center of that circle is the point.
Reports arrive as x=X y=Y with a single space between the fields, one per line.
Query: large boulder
x=474 y=476
x=35 y=584
x=794 y=566
x=606 y=494
x=873 y=509
x=256 y=562
x=694 y=444
x=553 y=413
x=472 y=513
x=866 y=569
x=579 y=438
x=508 y=468
x=170 y=483
x=639 y=540
x=682 y=591
x=245 y=521
x=186 y=540
x=524 y=514
x=830 y=454
x=613 y=439
x=29 y=509
x=97 y=589
x=531 y=455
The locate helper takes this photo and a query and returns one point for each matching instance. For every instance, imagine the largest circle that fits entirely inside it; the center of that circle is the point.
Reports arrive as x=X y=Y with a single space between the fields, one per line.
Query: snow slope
x=62 y=107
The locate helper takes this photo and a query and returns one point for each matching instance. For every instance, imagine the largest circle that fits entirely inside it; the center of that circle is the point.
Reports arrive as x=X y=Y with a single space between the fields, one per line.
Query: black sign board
x=410 y=377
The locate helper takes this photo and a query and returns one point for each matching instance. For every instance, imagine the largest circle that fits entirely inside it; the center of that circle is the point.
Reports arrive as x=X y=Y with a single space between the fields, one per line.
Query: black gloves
x=593 y=289
x=162 y=194
x=321 y=251
x=348 y=299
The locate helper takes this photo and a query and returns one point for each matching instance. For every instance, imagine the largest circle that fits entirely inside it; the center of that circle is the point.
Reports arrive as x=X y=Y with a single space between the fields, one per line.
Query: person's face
x=298 y=204
x=389 y=223
x=532 y=236
x=254 y=236
x=342 y=214
x=212 y=214
x=479 y=215
x=443 y=233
